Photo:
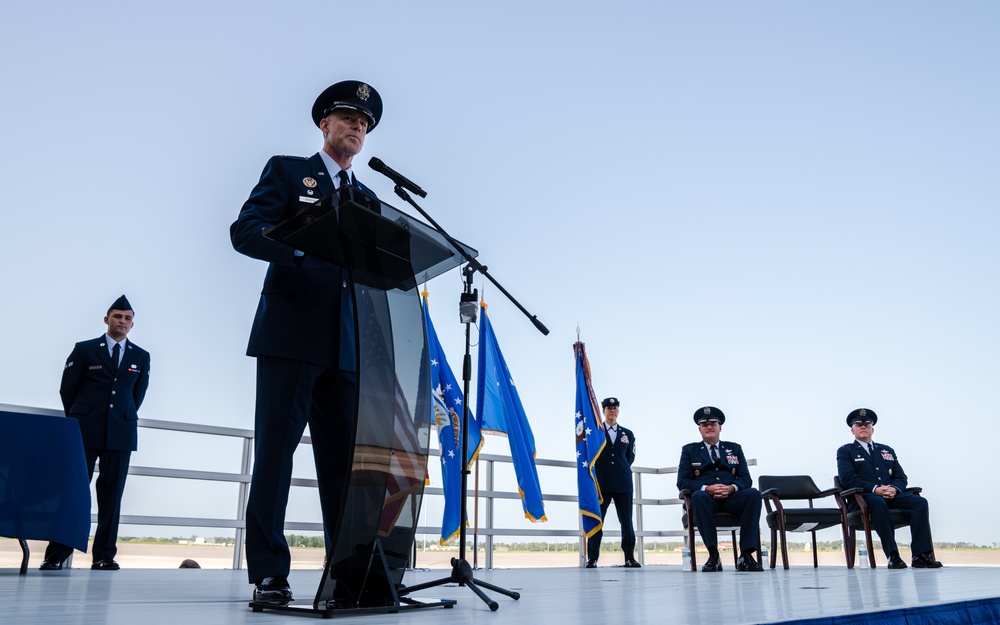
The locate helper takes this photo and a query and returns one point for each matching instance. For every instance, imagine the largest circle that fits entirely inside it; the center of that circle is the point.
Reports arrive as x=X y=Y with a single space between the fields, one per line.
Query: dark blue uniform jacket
x=105 y=401
x=857 y=468
x=304 y=312
x=696 y=468
x=614 y=465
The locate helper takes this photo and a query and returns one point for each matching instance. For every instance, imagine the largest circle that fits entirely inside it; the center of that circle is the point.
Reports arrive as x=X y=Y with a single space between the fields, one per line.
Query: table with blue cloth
x=44 y=484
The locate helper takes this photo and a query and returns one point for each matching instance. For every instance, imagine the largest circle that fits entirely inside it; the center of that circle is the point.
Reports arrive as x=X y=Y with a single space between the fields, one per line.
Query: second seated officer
x=302 y=336
x=875 y=468
x=716 y=473
x=614 y=476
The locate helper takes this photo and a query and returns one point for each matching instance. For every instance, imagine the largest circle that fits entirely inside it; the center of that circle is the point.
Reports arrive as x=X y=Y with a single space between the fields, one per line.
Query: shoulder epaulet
x=294 y=158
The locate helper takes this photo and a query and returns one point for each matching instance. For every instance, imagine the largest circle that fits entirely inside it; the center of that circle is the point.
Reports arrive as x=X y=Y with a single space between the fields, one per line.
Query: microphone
x=395 y=176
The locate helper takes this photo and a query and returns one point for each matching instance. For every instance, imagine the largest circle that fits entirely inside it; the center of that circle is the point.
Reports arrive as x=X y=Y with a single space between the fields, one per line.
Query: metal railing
x=488 y=494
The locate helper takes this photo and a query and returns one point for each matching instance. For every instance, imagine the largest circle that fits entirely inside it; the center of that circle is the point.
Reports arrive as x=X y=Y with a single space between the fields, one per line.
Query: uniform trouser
x=291 y=394
x=623 y=506
x=744 y=504
x=920 y=525
x=109 y=489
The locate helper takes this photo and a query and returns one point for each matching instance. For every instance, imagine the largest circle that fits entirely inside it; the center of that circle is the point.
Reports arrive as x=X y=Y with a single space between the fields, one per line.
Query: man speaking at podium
x=302 y=335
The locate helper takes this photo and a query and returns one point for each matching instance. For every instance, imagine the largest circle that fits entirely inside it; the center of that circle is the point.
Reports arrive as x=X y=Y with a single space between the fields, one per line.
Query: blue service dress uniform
x=303 y=339
x=696 y=469
x=105 y=399
x=614 y=476
x=857 y=468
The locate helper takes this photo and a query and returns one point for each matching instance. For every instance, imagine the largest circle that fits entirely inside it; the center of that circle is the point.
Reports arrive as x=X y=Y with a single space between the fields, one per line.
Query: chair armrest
x=827 y=493
x=844 y=494
x=770 y=493
x=916 y=490
x=684 y=494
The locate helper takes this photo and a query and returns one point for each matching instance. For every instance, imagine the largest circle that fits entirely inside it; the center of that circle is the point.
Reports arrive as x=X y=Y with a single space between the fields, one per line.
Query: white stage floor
x=654 y=594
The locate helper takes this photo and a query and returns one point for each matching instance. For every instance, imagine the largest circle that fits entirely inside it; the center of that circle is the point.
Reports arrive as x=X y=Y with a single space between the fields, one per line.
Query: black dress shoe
x=713 y=565
x=51 y=565
x=106 y=564
x=925 y=561
x=632 y=564
x=895 y=562
x=272 y=590
x=591 y=564
x=748 y=563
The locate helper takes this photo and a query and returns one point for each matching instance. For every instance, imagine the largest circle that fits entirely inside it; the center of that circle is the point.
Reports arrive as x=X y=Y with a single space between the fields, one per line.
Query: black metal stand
x=473 y=266
x=461 y=570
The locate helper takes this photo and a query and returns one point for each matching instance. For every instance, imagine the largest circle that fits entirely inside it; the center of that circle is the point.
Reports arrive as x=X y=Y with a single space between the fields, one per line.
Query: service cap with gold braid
x=709 y=413
x=862 y=415
x=349 y=94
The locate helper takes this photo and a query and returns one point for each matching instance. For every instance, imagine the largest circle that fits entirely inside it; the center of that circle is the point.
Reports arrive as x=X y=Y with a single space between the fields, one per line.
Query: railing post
x=640 y=541
x=241 y=503
x=489 y=513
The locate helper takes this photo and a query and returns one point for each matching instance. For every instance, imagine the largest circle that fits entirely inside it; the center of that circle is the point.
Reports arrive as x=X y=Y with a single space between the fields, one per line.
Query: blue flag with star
x=447 y=415
x=500 y=411
x=590 y=441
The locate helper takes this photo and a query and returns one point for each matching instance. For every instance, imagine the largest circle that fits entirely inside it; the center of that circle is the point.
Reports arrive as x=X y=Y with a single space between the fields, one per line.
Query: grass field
x=164 y=556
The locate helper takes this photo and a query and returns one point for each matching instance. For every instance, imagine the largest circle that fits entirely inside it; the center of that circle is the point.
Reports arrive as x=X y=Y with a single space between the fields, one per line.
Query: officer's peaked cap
x=709 y=413
x=862 y=414
x=349 y=94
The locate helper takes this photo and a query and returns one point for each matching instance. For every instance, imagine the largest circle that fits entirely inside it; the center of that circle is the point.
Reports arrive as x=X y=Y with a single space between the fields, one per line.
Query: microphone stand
x=461 y=570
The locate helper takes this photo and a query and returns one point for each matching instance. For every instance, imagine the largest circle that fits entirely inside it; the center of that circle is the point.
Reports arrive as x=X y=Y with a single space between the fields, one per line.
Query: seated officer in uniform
x=875 y=468
x=717 y=475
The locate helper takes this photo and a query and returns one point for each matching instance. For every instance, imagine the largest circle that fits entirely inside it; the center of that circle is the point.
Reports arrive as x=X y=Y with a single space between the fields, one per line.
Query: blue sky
x=783 y=209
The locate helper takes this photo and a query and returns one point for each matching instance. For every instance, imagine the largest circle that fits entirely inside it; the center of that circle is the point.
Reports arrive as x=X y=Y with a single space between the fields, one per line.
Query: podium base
x=309 y=609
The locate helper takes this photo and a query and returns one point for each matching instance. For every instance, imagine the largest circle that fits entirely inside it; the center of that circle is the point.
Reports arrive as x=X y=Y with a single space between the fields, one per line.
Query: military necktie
x=715 y=453
x=345 y=185
x=115 y=354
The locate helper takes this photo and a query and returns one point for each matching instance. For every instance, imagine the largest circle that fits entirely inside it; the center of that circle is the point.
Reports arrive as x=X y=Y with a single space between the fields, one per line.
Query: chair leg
x=868 y=543
x=736 y=557
x=774 y=546
x=784 y=552
x=25 y=555
x=815 y=555
x=694 y=560
x=850 y=546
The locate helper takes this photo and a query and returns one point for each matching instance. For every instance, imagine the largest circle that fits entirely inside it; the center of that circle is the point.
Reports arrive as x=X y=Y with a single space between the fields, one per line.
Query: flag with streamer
x=447 y=414
x=500 y=411
x=590 y=441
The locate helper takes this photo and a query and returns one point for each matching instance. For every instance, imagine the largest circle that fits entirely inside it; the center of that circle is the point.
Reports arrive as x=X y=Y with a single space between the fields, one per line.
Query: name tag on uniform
x=308 y=200
x=695 y=464
x=95 y=367
x=859 y=460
